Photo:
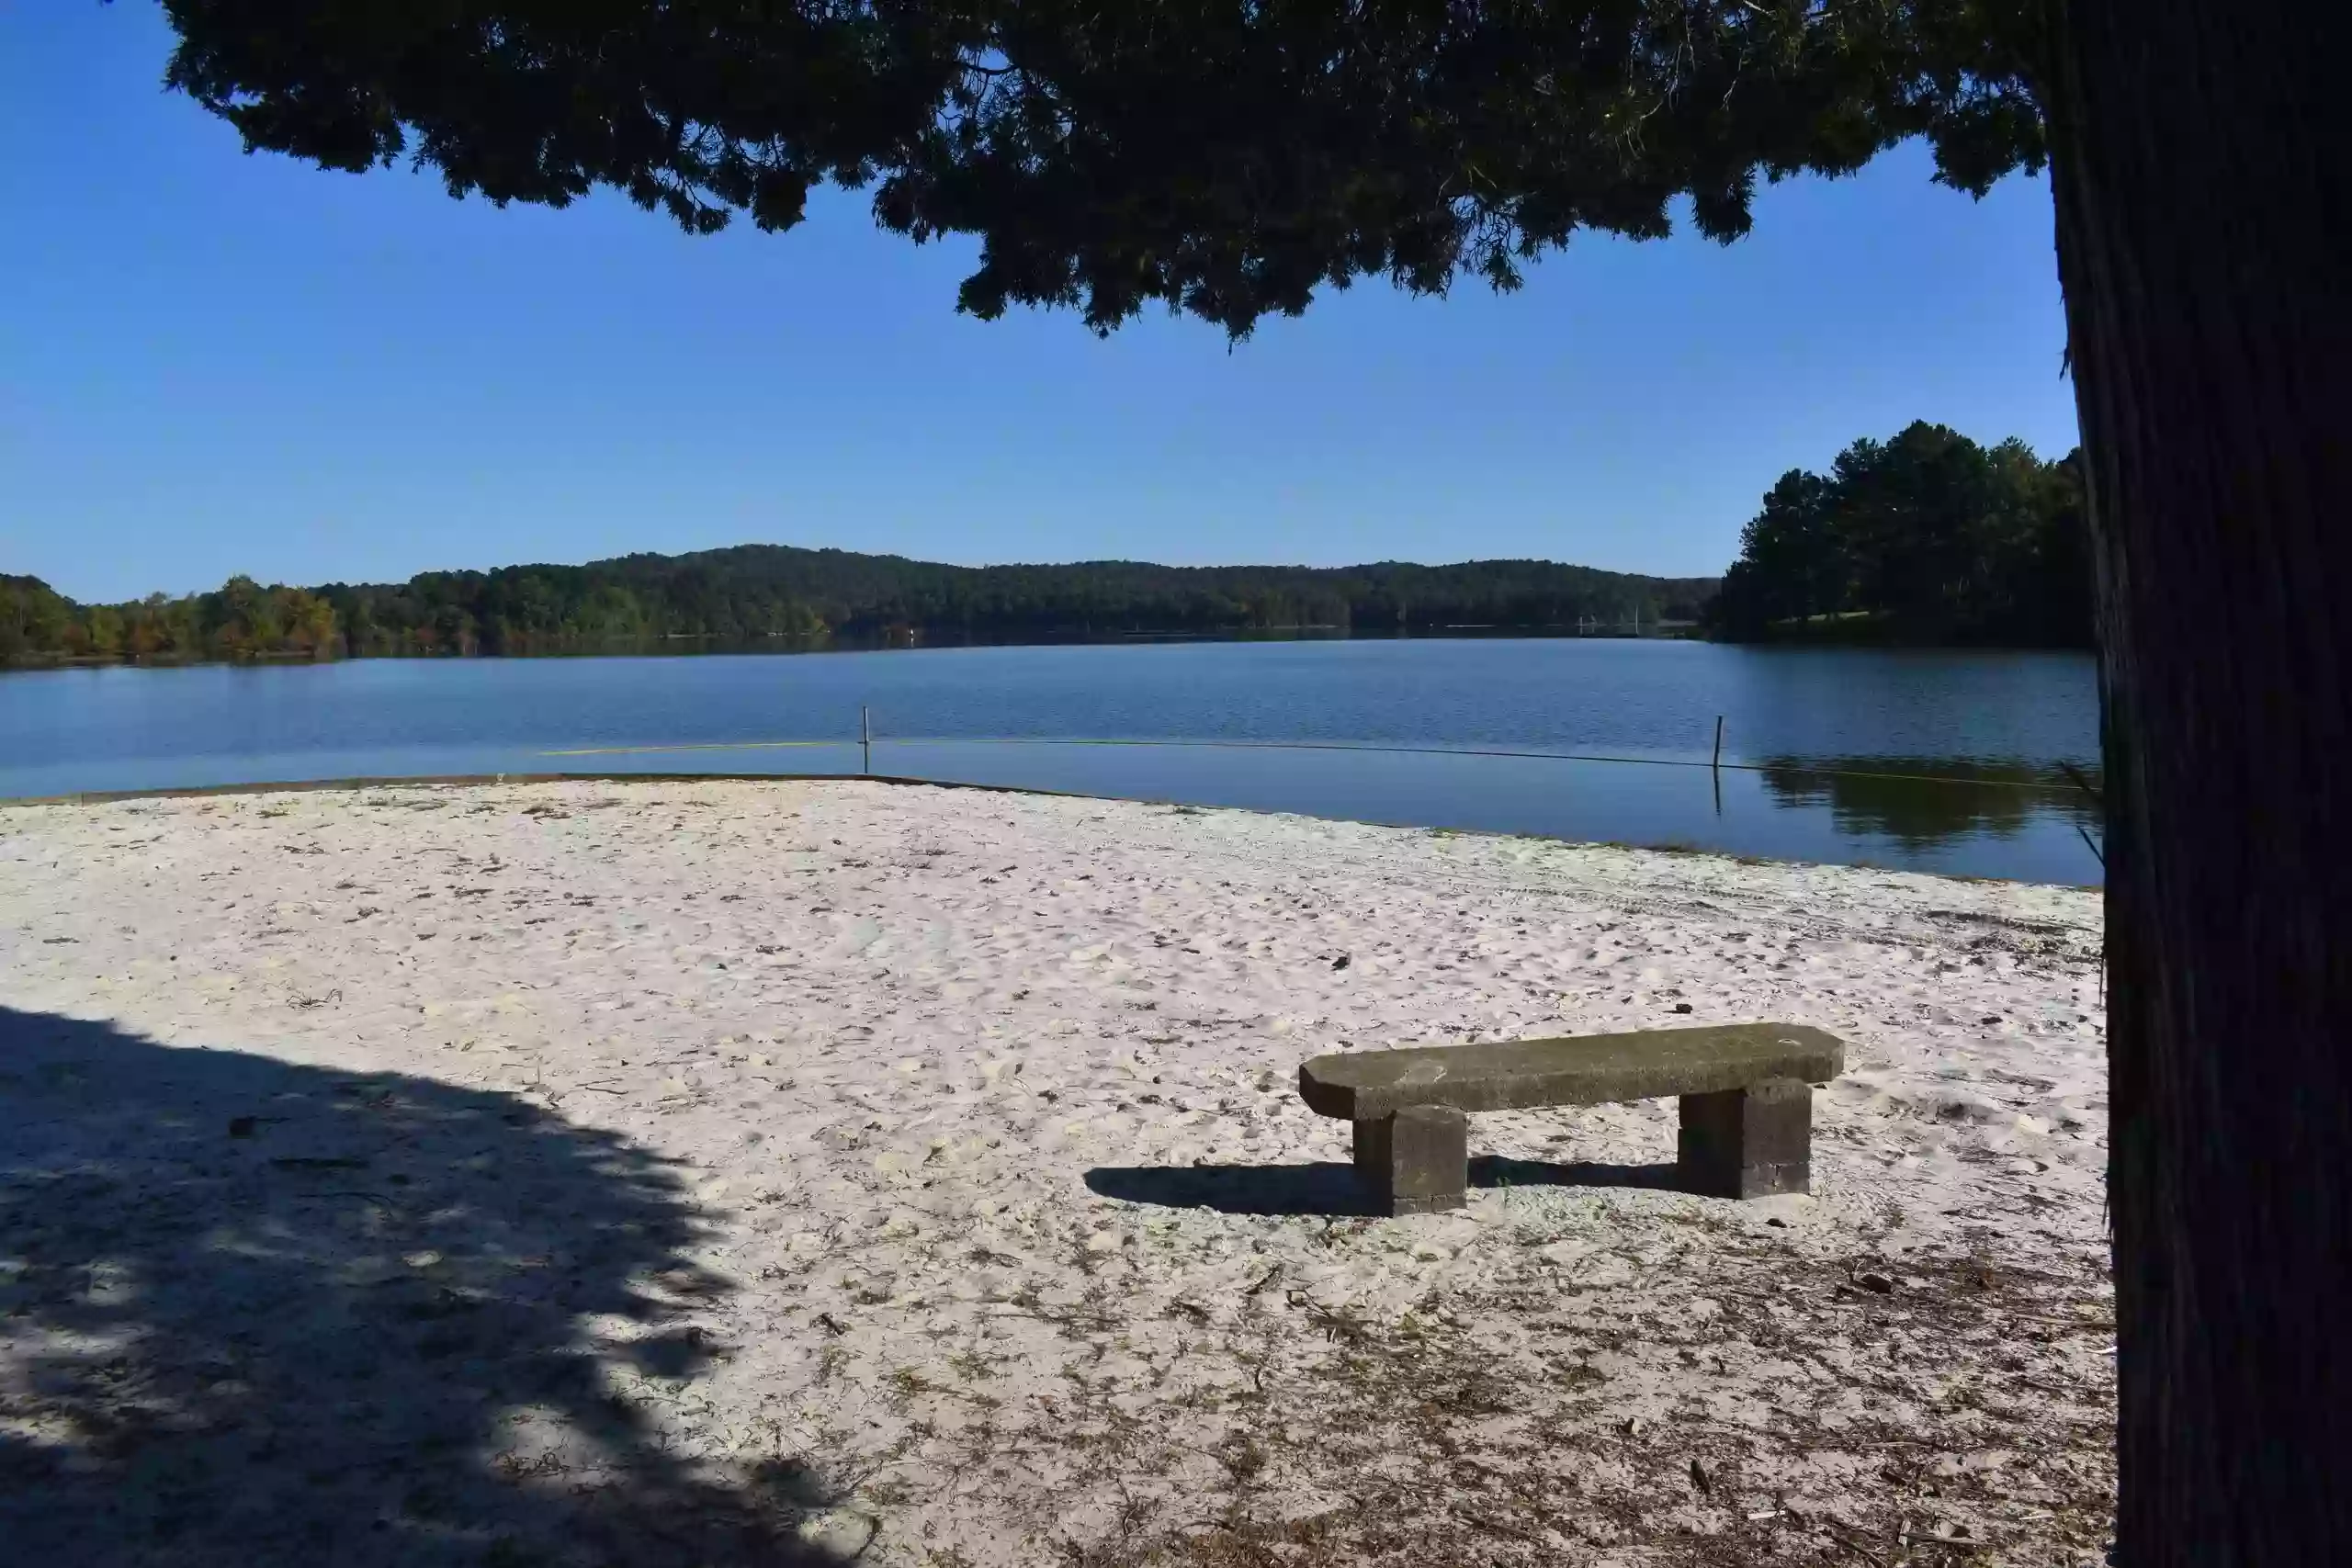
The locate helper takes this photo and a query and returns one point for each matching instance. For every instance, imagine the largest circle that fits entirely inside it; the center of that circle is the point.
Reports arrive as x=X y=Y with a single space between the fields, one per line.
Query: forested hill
x=720 y=591
x=767 y=595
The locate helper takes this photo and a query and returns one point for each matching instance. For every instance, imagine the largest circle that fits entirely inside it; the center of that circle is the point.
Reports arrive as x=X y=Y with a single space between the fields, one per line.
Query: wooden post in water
x=1718 y=763
x=866 y=737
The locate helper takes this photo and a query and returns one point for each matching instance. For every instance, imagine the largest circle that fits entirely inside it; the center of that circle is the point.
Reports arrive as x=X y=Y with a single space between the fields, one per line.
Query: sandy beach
x=734 y=1172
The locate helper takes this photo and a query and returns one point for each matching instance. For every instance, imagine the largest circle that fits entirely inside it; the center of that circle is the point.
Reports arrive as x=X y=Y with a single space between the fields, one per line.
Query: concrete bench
x=1746 y=1090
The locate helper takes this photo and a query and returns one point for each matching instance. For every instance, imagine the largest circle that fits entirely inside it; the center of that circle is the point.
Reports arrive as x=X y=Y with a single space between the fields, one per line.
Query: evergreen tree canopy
x=1927 y=537
x=1223 y=157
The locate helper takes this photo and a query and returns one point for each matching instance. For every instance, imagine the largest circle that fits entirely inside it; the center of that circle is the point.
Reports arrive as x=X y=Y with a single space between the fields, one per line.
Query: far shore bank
x=915 y=639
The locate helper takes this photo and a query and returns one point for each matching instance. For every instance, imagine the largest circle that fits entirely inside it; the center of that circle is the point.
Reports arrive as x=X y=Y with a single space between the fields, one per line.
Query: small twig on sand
x=1850 y=1544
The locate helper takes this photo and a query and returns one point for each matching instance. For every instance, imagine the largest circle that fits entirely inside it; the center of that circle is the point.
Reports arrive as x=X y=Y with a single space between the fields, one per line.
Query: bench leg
x=1748 y=1143
x=1415 y=1162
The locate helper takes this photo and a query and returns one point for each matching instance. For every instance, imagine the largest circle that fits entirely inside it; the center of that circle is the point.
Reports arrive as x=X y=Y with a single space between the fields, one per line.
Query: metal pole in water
x=866 y=737
x=1718 y=762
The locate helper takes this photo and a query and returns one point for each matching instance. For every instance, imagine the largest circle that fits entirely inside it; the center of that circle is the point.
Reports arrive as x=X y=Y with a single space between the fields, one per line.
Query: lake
x=1940 y=761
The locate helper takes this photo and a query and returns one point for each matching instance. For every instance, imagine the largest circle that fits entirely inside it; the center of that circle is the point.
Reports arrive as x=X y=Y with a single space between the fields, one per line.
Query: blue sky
x=212 y=362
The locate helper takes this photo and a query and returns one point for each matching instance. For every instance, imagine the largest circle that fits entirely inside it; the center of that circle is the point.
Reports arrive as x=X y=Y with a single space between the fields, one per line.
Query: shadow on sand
x=1329 y=1187
x=252 y=1313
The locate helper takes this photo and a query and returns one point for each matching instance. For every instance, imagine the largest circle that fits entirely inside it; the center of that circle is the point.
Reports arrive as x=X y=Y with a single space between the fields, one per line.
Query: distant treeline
x=243 y=620
x=766 y=594
x=1927 y=537
x=1924 y=538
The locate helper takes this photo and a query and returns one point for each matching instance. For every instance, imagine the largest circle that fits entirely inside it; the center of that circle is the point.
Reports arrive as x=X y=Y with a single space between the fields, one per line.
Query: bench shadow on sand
x=1330 y=1186
x=254 y=1313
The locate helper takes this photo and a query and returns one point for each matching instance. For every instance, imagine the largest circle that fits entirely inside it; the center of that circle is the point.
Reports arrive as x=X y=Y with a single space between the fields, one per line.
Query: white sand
x=886 y=1201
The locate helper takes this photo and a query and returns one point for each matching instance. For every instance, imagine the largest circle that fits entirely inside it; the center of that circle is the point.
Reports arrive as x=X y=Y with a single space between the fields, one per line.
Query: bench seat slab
x=1593 y=1069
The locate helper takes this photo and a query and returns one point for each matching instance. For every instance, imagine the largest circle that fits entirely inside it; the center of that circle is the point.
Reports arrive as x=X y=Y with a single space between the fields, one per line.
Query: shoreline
x=666 y=645
x=467 y=780
x=918 y=1171
x=685 y=645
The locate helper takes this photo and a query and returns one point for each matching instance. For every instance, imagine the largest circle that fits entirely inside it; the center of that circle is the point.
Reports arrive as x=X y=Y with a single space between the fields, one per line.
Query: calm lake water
x=1934 y=760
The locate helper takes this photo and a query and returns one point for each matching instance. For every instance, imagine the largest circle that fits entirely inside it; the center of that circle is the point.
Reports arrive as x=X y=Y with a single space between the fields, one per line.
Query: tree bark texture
x=2203 y=175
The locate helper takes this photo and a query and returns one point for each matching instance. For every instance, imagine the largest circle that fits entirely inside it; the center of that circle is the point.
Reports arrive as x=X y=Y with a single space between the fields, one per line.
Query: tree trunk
x=2204 y=191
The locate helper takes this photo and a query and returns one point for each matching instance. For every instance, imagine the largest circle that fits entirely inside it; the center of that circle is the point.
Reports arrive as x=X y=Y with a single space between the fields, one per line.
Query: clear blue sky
x=212 y=362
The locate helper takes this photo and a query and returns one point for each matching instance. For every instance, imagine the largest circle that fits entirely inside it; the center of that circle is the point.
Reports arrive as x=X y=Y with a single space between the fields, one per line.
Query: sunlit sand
x=552 y=1170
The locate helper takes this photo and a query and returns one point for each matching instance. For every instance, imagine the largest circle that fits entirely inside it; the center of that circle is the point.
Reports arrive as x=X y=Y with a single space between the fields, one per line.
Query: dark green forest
x=1927 y=537
x=1924 y=538
x=242 y=620
x=771 y=595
